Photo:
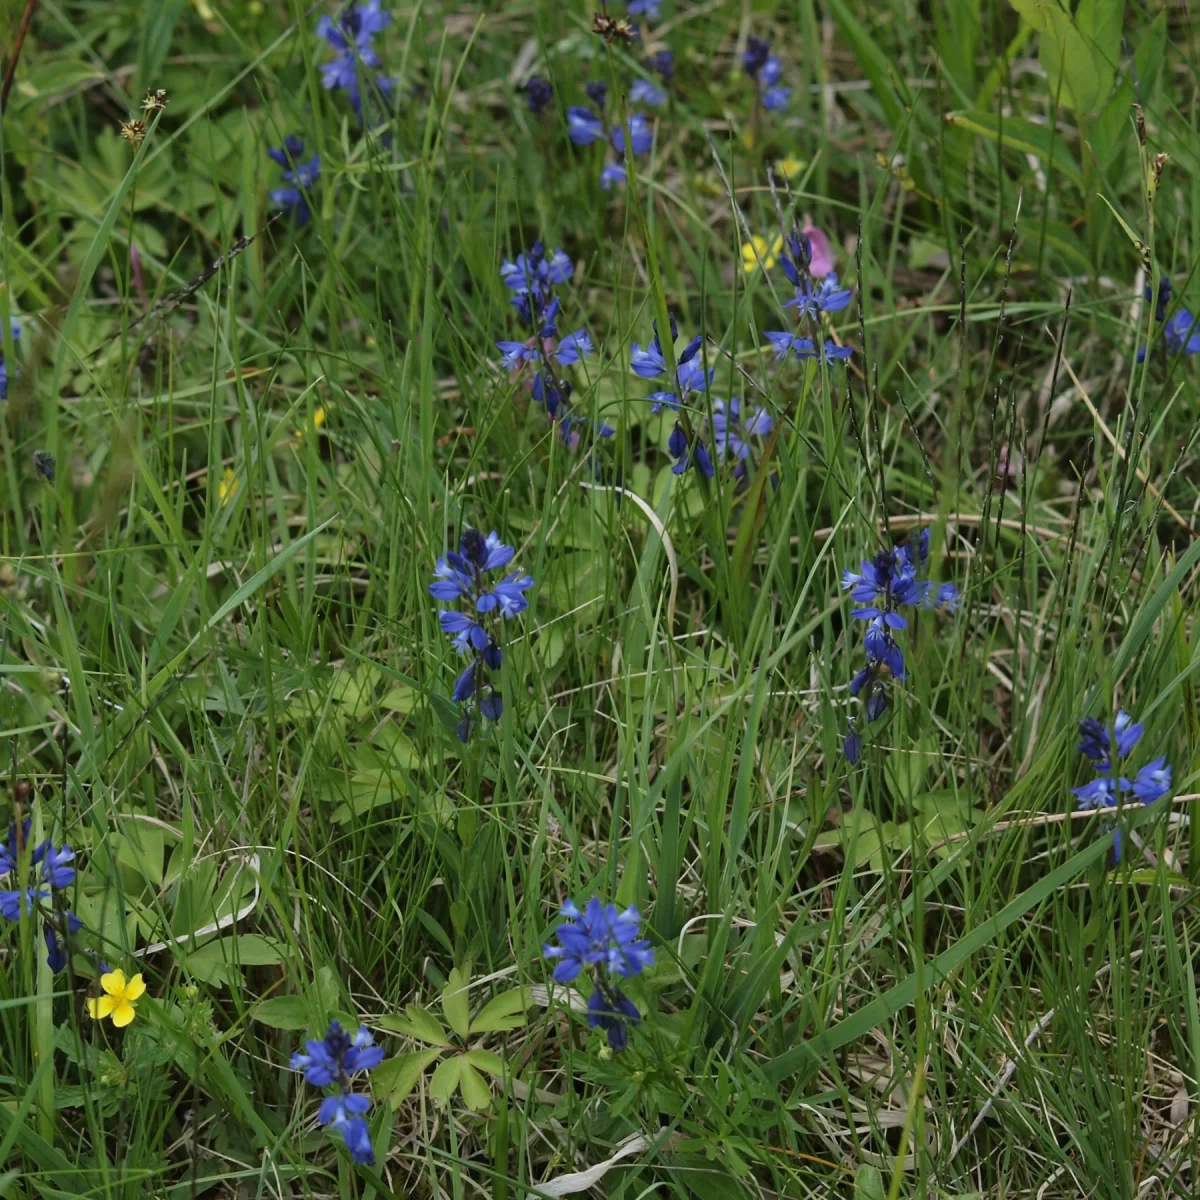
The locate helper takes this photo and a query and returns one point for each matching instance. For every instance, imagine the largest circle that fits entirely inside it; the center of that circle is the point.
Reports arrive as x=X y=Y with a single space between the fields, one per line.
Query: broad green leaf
x=445 y=1078
x=1099 y=23
x=502 y=1012
x=396 y=1078
x=456 y=1002
x=868 y=1183
x=282 y=1012
x=1070 y=63
x=218 y=960
x=475 y=1091
x=1025 y=137
x=487 y=1061
x=417 y=1023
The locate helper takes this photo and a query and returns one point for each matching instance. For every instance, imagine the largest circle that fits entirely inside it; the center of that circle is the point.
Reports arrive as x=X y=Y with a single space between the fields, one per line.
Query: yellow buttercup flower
x=789 y=168
x=758 y=250
x=228 y=486
x=118 y=1000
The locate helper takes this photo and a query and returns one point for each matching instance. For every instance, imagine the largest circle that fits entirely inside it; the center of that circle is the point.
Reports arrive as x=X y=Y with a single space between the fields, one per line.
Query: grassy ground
x=226 y=687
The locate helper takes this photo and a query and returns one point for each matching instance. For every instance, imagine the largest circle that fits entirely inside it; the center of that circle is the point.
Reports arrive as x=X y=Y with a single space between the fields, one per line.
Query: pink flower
x=821 y=261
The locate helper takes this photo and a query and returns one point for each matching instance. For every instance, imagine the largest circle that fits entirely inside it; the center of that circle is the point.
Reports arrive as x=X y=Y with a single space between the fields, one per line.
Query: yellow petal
x=113 y=983
x=100 y=1006
x=123 y=1014
x=135 y=987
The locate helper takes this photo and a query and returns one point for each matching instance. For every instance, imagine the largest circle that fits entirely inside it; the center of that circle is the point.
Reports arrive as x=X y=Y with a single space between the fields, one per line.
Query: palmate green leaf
x=456 y=1002
x=396 y=1078
x=445 y=1078
x=905 y=992
x=417 y=1023
x=503 y=1012
x=486 y=1060
x=475 y=1091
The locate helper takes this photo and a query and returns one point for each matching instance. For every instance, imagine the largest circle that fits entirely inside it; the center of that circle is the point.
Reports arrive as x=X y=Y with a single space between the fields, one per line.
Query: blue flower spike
x=1106 y=749
x=333 y=1062
x=53 y=871
x=690 y=375
x=605 y=943
x=461 y=576
x=884 y=585
x=301 y=178
x=351 y=36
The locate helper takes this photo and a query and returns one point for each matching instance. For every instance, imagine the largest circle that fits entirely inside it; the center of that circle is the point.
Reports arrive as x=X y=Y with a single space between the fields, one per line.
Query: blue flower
x=14 y=904
x=301 y=176
x=337 y=1056
x=755 y=56
x=773 y=96
x=1096 y=744
x=55 y=929
x=334 y=1060
x=597 y=93
x=732 y=428
x=641 y=136
x=351 y=37
x=599 y=936
x=1180 y=335
x=10 y=851
x=1100 y=792
x=810 y=300
x=536 y=269
x=1152 y=782
x=16 y=333
x=611 y=1010
x=662 y=64
x=889 y=581
x=802 y=347
x=612 y=174
x=56 y=868
x=852 y=746
x=686 y=454
x=538 y=93
x=644 y=8
x=690 y=374
x=459 y=575
x=583 y=126
x=645 y=92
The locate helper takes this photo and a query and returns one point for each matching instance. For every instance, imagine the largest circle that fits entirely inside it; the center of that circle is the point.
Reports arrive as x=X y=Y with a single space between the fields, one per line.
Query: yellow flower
x=228 y=486
x=318 y=416
x=756 y=250
x=789 y=168
x=118 y=999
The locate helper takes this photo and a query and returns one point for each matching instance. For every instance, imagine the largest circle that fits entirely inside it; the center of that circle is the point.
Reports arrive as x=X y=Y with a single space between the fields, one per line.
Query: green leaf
x=395 y=1079
x=503 y=1012
x=904 y=993
x=417 y=1023
x=282 y=1012
x=445 y=1078
x=216 y=961
x=1025 y=137
x=456 y=1002
x=1099 y=23
x=1071 y=69
x=475 y=1091
x=906 y=769
x=487 y=1061
x=868 y=1183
